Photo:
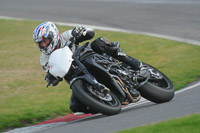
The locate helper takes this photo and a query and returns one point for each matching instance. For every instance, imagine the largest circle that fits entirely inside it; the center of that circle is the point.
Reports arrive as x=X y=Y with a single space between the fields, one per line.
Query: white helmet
x=46 y=30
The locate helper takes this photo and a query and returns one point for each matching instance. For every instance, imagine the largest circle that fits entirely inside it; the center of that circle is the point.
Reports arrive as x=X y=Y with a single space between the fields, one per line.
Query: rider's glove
x=51 y=80
x=78 y=32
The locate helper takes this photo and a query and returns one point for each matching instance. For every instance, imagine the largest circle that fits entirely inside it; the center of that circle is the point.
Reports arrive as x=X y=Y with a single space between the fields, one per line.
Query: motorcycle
x=104 y=84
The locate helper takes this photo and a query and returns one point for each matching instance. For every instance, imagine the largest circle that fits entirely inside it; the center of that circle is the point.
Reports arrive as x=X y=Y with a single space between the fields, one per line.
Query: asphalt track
x=186 y=102
x=183 y=104
x=175 y=19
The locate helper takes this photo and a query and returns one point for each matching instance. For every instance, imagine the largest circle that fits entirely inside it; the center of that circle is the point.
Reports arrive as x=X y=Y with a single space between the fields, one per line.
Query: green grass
x=187 y=124
x=24 y=98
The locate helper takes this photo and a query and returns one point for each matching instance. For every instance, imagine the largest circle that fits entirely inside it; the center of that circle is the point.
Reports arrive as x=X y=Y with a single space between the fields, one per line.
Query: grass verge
x=187 y=124
x=24 y=99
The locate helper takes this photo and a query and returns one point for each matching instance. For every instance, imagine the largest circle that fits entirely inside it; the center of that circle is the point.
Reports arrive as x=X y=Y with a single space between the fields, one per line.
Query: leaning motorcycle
x=104 y=84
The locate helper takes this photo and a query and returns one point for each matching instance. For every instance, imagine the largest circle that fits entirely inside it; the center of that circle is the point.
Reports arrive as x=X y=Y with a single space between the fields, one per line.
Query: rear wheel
x=159 y=88
x=106 y=104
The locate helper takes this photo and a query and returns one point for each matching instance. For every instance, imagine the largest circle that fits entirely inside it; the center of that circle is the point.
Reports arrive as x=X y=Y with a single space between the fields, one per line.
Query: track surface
x=177 y=18
x=183 y=104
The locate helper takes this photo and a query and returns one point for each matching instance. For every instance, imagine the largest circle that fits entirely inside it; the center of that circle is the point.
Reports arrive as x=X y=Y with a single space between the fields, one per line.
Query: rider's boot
x=134 y=63
x=103 y=45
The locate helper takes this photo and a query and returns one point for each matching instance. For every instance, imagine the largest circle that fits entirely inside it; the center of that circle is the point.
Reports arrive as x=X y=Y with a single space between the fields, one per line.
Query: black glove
x=77 y=32
x=51 y=80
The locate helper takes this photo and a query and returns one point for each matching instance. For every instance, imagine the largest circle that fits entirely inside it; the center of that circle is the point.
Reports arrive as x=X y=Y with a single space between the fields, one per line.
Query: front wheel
x=159 y=88
x=108 y=105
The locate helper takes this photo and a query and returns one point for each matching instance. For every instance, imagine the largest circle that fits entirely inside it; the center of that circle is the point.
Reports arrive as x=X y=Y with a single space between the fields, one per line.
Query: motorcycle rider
x=47 y=38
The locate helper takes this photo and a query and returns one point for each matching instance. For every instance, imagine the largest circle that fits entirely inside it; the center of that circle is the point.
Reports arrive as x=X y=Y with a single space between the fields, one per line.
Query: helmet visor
x=44 y=43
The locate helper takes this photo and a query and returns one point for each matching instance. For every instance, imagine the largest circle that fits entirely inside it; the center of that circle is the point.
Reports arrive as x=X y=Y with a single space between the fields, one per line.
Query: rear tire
x=81 y=92
x=160 y=92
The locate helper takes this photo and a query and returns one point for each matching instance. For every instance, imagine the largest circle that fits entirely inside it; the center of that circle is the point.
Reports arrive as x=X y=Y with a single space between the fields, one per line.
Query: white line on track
x=188 y=88
x=194 y=42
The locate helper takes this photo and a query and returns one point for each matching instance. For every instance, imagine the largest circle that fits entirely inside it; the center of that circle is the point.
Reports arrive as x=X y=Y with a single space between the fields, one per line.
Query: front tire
x=82 y=93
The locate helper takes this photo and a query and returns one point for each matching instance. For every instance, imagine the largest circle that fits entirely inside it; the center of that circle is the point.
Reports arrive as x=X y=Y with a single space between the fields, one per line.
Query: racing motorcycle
x=104 y=84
